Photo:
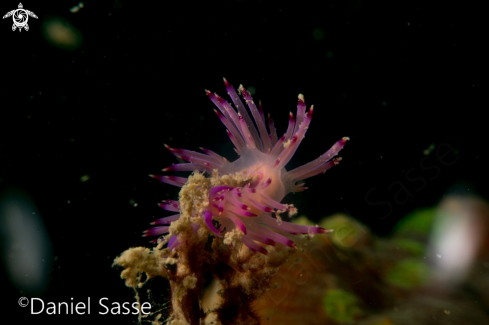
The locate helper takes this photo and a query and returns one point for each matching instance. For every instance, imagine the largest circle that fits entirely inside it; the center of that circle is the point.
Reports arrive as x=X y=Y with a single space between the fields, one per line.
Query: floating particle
x=25 y=243
x=252 y=90
x=318 y=34
x=77 y=8
x=84 y=178
x=428 y=150
x=60 y=33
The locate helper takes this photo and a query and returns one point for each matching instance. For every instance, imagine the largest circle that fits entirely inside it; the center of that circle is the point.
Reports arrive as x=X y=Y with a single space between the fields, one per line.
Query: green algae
x=419 y=222
x=347 y=231
x=408 y=274
x=341 y=306
x=413 y=247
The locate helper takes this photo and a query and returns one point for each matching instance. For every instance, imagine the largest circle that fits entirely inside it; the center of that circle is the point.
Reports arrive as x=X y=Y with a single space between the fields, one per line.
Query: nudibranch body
x=237 y=199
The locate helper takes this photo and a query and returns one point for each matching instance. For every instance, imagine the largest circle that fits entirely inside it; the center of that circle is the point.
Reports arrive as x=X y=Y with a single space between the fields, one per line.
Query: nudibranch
x=240 y=200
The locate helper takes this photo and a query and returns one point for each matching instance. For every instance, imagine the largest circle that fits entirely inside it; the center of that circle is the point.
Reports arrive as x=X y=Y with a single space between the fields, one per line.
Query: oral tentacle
x=166 y=220
x=254 y=202
x=234 y=117
x=240 y=212
x=235 y=142
x=321 y=169
x=169 y=207
x=267 y=200
x=324 y=158
x=253 y=246
x=172 y=180
x=278 y=147
x=261 y=239
x=275 y=237
x=215 y=190
x=155 y=231
x=250 y=142
x=206 y=165
x=273 y=131
x=173 y=242
x=242 y=110
x=208 y=222
x=213 y=154
x=301 y=111
x=236 y=135
x=287 y=154
x=193 y=156
x=183 y=167
x=226 y=110
x=237 y=222
x=260 y=122
x=233 y=198
x=290 y=128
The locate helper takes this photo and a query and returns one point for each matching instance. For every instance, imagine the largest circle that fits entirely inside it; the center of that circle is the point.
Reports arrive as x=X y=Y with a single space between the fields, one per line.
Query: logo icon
x=20 y=17
x=23 y=302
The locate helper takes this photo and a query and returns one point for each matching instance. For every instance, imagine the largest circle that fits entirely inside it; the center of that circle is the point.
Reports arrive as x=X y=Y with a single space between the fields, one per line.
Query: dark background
x=395 y=78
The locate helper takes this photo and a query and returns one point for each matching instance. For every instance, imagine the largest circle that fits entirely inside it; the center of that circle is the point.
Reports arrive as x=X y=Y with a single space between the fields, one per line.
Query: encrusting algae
x=228 y=230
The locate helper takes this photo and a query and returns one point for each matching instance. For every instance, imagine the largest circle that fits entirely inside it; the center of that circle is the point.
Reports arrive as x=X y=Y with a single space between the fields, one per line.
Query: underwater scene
x=243 y=162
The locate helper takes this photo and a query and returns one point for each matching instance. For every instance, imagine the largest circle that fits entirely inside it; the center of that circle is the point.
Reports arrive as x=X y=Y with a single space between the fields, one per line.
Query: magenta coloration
x=263 y=156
